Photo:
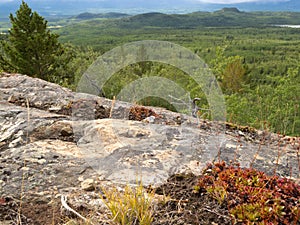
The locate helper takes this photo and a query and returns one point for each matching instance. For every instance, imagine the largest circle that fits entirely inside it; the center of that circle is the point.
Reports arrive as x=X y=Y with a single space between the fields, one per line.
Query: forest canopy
x=255 y=62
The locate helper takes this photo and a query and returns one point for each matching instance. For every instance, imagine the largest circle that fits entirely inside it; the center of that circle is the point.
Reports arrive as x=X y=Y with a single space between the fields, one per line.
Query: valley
x=243 y=49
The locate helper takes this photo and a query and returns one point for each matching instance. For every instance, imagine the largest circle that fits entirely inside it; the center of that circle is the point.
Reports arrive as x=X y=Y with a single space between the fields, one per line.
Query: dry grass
x=131 y=206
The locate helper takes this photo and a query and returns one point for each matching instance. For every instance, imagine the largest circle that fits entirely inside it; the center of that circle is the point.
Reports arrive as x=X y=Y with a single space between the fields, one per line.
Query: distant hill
x=151 y=19
x=230 y=10
x=87 y=15
x=225 y=17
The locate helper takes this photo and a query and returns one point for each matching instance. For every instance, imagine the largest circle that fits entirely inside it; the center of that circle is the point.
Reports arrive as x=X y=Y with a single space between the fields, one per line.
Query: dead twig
x=67 y=207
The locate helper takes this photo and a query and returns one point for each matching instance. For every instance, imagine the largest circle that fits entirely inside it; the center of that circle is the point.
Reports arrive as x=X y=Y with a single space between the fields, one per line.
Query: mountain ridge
x=75 y=7
x=109 y=15
x=226 y=17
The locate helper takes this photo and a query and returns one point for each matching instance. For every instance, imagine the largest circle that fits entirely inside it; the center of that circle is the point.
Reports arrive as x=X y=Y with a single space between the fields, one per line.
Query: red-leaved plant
x=252 y=197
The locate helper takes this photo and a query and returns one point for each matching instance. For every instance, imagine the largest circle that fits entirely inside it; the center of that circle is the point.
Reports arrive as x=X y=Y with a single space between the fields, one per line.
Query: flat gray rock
x=52 y=140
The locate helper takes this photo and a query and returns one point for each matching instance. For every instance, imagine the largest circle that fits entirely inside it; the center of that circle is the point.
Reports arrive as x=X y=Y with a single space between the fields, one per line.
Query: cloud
x=238 y=1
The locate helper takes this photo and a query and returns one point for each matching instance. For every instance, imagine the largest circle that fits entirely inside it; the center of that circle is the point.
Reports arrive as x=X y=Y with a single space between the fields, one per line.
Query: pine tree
x=31 y=48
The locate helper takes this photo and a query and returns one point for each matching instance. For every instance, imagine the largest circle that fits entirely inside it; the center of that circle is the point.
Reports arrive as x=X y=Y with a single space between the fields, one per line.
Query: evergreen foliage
x=31 y=48
x=72 y=64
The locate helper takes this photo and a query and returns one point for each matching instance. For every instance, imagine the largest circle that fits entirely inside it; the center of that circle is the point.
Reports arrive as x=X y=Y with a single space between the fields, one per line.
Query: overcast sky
x=237 y=1
x=203 y=1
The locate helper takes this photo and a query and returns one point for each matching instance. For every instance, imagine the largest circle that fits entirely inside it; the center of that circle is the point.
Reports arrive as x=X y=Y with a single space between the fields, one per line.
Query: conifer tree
x=30 y=47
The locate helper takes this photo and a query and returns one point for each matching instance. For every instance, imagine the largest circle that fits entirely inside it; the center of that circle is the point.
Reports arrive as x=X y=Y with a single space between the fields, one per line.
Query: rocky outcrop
x=57 y=142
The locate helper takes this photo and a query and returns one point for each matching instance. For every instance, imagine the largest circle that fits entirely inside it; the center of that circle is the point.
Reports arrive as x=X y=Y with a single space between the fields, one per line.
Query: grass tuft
x=132 y=206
